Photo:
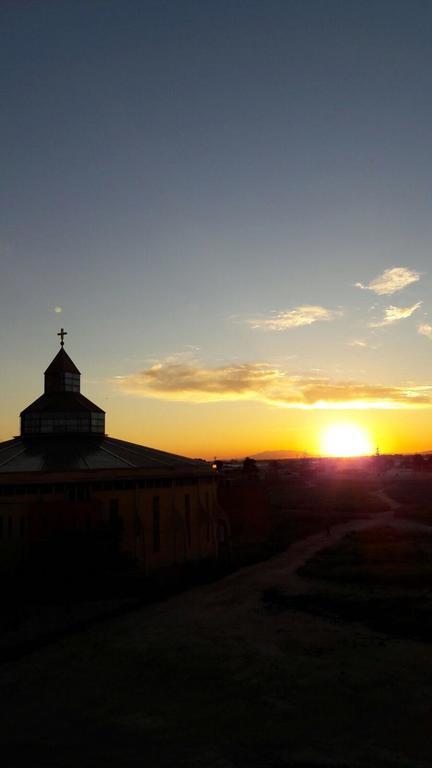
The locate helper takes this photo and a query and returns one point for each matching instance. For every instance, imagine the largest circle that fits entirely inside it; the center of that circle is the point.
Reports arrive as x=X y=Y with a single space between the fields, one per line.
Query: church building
x=64 y=474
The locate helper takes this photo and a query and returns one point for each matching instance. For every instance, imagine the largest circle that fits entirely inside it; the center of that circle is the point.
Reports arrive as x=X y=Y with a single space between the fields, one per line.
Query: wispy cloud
x=425 y=330
x=294 y=318
x=362 y=344
x=192 y=382
x=391 y=281
x=394 y=314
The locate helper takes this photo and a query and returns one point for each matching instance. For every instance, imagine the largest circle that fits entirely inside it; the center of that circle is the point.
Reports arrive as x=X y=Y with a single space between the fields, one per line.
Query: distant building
x=244 y=497
x=64 y=475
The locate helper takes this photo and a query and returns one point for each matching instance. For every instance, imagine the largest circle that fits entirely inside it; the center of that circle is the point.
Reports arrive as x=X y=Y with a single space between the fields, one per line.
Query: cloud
x=425 y=330
x=391 y=281
x=188 y=381
x=394 y=314
x=294 y=318
x=325 y=393
x=191 y=382
x=361 y=344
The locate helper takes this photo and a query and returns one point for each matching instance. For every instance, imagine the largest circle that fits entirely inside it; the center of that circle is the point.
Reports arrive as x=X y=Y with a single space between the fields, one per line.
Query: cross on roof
x=62 y=333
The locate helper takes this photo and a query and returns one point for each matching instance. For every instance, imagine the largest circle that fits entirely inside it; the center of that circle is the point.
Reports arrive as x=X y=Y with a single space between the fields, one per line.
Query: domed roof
x=58 y=402
x=64 y=453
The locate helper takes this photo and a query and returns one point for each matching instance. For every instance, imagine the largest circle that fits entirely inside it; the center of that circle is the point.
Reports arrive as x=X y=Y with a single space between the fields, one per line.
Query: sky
x=227 y=205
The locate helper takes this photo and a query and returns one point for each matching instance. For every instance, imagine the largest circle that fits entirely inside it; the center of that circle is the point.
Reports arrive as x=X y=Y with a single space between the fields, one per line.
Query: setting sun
x=346 y=440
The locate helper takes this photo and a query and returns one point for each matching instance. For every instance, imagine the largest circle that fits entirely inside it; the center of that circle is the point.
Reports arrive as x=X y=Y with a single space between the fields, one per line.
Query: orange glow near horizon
x=230 y=430
x=346 y=439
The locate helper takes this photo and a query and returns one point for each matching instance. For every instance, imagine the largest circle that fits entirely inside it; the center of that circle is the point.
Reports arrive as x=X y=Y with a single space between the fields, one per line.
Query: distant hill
x=275 y=455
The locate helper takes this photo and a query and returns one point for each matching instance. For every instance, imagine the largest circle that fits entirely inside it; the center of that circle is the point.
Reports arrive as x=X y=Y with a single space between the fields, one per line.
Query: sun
x=346 y=440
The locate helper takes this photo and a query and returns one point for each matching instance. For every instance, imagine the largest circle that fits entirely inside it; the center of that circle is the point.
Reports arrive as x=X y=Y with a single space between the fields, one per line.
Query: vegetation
x=414 y=493
x=377 y=557
x=301 y=509
x=381 y=577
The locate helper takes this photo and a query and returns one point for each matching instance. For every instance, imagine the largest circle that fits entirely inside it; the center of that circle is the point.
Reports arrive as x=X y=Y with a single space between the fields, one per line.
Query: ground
x=248 y=671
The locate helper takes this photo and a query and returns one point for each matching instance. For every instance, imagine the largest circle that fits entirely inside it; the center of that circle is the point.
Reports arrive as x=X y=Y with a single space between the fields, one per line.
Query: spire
x=62 y=375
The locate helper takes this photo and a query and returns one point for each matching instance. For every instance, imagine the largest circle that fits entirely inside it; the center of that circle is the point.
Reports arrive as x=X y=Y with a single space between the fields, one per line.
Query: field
x=380 y=577
x=300 y=509
x=414 y=494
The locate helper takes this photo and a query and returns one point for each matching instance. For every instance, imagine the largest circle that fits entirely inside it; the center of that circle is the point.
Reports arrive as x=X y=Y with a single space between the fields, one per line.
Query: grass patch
x=415 y=494
x=303 y=510
x=399 y=616
x=385 y=581
x=378 y=556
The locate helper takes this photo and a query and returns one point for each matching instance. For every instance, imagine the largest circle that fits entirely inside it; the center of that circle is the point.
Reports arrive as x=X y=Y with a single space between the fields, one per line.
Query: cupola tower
x=62 y=409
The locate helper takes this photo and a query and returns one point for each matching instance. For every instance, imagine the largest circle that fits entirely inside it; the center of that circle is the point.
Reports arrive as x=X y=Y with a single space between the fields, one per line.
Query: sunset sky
x=227 y=204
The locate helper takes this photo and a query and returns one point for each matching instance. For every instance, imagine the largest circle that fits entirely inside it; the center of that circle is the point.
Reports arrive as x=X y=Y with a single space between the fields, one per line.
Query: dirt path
x=283 y=568
x=286 y=565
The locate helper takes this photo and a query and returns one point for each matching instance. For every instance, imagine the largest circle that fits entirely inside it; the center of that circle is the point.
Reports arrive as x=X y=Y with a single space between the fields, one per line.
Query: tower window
x=71 y=382
x=36 y=423
x=98 y=422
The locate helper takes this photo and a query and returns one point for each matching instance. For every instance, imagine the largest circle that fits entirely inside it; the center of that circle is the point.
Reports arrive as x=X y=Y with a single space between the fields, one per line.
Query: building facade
x=64 y=479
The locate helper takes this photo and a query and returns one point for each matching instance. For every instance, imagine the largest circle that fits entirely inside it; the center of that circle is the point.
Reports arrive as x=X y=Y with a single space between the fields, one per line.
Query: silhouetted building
x=65 y=476
x=244 y=497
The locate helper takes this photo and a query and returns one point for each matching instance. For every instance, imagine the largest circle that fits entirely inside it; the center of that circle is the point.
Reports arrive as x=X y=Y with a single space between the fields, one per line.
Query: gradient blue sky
x=172 y=173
